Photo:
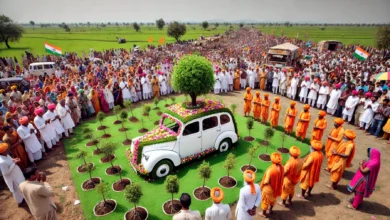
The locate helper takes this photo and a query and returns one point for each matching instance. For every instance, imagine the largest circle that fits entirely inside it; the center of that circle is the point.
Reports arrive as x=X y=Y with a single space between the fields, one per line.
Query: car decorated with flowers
x=183 y=134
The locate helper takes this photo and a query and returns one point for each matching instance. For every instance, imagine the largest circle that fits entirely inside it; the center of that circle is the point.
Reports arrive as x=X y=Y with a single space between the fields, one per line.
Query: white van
x=39 y=69
x=176 y=141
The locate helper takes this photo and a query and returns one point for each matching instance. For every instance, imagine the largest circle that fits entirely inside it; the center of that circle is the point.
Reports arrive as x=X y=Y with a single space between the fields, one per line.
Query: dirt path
x=325 y=204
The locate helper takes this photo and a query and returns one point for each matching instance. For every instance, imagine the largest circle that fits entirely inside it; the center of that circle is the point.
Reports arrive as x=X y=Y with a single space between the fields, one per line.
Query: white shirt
x=218 y=212
x=246 y=201
x=187 y=215
x=11 y=172
x=30 y=140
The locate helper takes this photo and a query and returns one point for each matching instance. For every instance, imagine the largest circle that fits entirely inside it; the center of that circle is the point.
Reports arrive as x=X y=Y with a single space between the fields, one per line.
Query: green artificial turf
x=154 y=193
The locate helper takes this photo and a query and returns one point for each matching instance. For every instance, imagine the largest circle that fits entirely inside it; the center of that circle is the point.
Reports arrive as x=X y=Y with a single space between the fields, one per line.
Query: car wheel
x=225 y=145
x=162 y=169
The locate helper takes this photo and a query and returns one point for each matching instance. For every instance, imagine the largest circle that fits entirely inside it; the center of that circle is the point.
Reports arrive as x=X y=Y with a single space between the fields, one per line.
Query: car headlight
x=146 y=157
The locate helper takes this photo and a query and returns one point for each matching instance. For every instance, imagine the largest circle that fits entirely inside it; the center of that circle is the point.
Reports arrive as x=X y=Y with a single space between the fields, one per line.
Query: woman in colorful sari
x=117 y=94
x=363 y=183
x=103 y=102
x=95 y=100
x=15 y=145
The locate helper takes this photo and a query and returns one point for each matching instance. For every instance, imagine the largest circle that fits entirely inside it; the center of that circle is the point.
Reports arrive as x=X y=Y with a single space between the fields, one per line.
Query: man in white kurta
x=109 y=96
x=66 y=119
x=145 y=87
x=322 y=95
x=55 y=123
x=248 y=201
x=47 y=133
x=294 y=86
x=275 y=81
x=283 y=82
x=27 y=133
x=11 y=172
x=251 y=78
x=163 y=84
x=125 y=90
x=224 y=81
x=333 y=100
x=304 y=89
x=314 y=88
x=217 y=84
x=370 y=109
x=350 y=105
x=218 y=211
x=230 y=80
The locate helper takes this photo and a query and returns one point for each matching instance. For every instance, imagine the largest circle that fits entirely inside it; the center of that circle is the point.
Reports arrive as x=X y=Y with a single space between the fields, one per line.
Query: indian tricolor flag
x=53 y=49
x=361 y=54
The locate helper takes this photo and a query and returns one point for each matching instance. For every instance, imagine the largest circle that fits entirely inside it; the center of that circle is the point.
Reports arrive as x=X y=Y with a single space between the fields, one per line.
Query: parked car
x=39 y=69
x=20 y=82
x=179 y=139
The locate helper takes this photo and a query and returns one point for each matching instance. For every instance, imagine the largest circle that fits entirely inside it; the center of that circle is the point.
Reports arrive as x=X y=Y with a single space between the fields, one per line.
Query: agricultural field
x=81 y=39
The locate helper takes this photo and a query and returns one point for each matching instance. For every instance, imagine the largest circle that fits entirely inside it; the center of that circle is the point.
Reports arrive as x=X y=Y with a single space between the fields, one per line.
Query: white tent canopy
x=285 y=46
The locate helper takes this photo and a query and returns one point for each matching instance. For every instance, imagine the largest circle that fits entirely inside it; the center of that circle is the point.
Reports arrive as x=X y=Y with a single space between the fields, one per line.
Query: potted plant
x=101 y=116
x=166 y=102
x=268 y=134
x=124 y=116
x=146 y=109
x=82 y=154
x=155 y=102
x=251 y=153
x=92 y=181
x=249 y=125
x=204 y=172
x=173 y=100
x=143 y=129
x=108 y=149
x=172 y=206
x=282 y=149
x=117 y=109
x=121 y=184
x=106 y=206
x=89 y=135
x=233 y=107
x=129 y=106
x=228 y=181
x=123 y=128
x=133 y=195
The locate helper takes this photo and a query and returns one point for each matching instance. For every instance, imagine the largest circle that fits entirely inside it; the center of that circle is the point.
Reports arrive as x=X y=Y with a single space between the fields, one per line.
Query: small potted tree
x=121 y=184
x=117 y=110
x=146 y=109
x=92 y=181
x=133 y=194
x=173 y=100
x=268 y=134
x=89 y=135
x=129 y=106
x=282 y=149
x=172 y=206
x=166 y=103
x=143 y=129
x=233 y=107
x=249 y=126
x=228 y=181
x=251 y=153
x=123 y=128
x=101 y=116
x=204 y=172
x=108 y=150
x=124 y=116
x=155 y=102
x=82 y=154
x=106 y=206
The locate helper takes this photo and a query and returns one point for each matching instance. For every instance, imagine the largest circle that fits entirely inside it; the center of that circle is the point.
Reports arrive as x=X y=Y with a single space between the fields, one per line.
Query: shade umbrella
x=383 y=76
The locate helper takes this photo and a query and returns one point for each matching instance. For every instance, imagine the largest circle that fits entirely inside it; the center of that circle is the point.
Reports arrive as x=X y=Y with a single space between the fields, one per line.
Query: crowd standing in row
x=35 y=120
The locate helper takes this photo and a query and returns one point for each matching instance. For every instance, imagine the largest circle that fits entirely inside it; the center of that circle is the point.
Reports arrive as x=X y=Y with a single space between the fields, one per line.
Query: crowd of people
x=36 y=119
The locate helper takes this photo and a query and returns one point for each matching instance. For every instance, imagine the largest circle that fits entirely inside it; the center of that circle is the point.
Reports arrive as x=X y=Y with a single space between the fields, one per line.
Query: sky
x=310 y=11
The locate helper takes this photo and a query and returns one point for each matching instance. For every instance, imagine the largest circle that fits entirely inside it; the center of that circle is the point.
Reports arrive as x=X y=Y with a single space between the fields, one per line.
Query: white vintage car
x=183 y=135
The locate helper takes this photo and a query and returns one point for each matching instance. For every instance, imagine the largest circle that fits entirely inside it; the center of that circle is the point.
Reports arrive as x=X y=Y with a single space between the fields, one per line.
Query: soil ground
x=325 y=203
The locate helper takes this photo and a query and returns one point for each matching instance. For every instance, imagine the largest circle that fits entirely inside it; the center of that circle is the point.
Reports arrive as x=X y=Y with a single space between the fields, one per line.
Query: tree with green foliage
x=268 y=134
x=133 y=195
x=171 y=186
x=108 y=149
x=233 y=107
x=103 y=190
x=193 y=75
x=251 y=153
x=129 y=106
x=205 y=25
x=230 y=163
x=117 y=110
x=82 y=154
x=100 y=117
x=146 y=109
x=173 y=99
x=160 y=23
x=89 y=169
x=124 y=116
x=241 y=25
x=216 y=25
x=156 y=101
x=176 y=30
x=136 y=26
x=9 y=31
x=204 y=172
x=383 y=38
x=249 y=124
x=32 y=23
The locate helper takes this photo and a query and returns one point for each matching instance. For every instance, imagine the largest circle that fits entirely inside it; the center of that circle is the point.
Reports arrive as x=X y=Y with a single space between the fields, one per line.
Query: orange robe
x=290 y=120
x=95 y=101
x=236 y=80
x=336 y=133
x=248 y=103
x=257 y=108
x=311 y=170
x=303 y=125
x=155 y=88
x=18 y=151
x=319 y=131
x=274 y=118
x=263 y=79
x=265 y=110
x=337 y=163
x=292 y=174
x=271 y=185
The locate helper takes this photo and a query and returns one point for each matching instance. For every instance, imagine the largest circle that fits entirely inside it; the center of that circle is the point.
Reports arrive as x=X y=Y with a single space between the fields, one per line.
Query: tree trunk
x=250 y=161
x=126 y=135
x=204 y=182
x=266 y=150
x=228 y=173
x=85 y=162
x=193 y=99
x=90 y=175
x=172 y=204
x=6 y=43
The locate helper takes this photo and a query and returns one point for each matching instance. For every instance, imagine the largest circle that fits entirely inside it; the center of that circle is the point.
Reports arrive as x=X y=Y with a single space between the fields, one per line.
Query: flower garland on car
x=206 y=105
x=197 y=155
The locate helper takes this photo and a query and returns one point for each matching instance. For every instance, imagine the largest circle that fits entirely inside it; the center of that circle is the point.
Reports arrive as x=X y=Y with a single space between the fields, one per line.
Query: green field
x=154 y=194
x=81 y=39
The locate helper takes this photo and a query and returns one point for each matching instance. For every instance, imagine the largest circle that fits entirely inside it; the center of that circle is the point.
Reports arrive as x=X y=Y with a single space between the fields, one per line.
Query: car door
x=190 y=141
x=210 y=131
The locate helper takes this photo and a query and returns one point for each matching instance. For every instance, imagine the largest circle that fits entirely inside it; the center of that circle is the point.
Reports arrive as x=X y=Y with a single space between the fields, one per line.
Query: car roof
x=11 y=79
x=41 y=63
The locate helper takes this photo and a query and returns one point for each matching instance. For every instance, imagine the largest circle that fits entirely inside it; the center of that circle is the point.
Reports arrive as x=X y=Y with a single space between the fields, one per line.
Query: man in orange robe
x=334 y=138
x=303 y=123
x=248 y=102
x=271 y=184
x=265 y=109
x=289 y=121
x=341 y=157
x=319 y=126
x=292 y=174
x=275 y=109
x=237 y=80
x=263 y=79
x=311 y=169
x=257 y=107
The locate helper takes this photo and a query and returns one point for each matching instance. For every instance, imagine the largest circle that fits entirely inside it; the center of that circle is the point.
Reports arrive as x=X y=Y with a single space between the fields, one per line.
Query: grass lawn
x=154 y=192
x=81 y=39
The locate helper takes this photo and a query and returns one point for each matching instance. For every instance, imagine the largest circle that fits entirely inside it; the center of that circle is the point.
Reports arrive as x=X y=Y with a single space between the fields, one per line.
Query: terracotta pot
x=147 y=212
x=116 y=204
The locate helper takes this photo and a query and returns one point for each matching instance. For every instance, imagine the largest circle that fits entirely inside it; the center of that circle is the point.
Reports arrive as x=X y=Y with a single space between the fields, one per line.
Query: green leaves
x=133 y=193
x=100 y=116
x=230 y=162
x=249 y=123
x=171 y=184
x=123 y=115
x=268 y=133
x=204 y=170
x=176 y=30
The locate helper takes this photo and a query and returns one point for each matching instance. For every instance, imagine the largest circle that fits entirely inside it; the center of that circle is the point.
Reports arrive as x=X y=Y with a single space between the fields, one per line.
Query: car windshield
x=170 y=124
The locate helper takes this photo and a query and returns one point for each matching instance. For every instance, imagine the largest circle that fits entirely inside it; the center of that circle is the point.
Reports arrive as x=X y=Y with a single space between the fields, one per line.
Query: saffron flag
x=162 y=40
x=150 y=40
x=361 y=54
x=53 y=49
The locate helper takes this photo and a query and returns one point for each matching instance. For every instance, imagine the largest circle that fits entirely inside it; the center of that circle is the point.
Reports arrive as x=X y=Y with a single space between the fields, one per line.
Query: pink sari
x=103 y=103
x=364 y=184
